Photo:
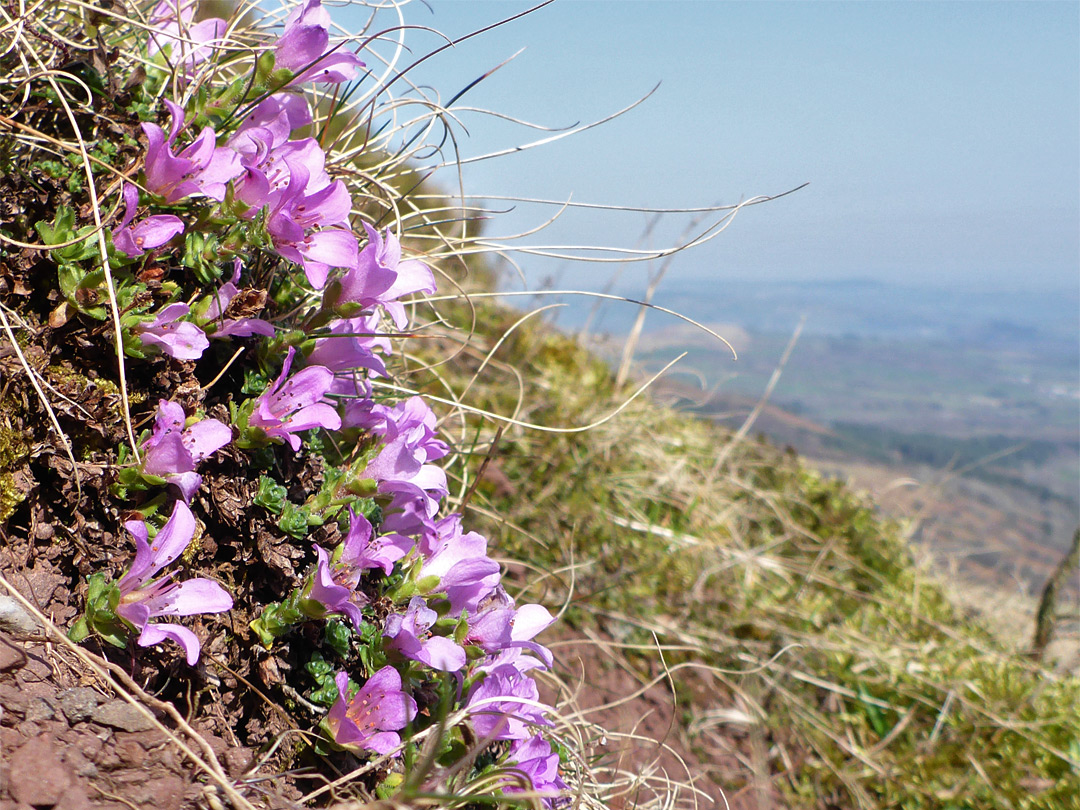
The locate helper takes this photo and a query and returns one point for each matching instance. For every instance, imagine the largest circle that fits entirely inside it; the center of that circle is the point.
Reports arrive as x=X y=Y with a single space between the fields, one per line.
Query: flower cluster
x=235 y=230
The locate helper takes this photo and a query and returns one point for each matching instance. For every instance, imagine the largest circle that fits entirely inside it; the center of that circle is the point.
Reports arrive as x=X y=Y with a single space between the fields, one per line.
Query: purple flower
x=539 y=763
x=172 y=336
x=297 y=211
x=409 y=431
x=189 y=42
x=505 y=705
x=303 y=44
x=350 y=347
x=466 y=574
x=499 y=625
x=268 y=169
x=290 y=406
x=410 y=635
x=401 y=468
x=513 y=656
x=221 y=327
x=373 y=717
x=202 y=169
x=380 y=277
x=414 y=504
x=334 y=594
x=333 y=584
x=172 y=452
x=142 y=599
x=362 y=552
x=276 y=117
x=150 y=233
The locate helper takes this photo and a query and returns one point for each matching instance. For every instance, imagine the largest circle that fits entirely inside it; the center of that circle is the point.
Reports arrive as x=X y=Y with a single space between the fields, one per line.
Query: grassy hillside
x=811 y=661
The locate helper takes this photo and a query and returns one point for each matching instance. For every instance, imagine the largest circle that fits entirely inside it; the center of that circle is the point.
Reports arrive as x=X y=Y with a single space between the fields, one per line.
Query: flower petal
x=156 y=633
x=206 y=437
x=155 y=231
x=167 y=456
x=173 y=538
x=313 y=416
x=442 y=654
x=187 y=482
x=189 y=598
x=335 y=247
x=530 y=620
x=183 y=340
x=131 y=202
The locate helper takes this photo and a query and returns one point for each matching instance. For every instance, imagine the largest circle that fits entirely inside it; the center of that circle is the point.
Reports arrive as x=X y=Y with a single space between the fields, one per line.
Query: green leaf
x=318 y=667
x=85 y=249
x=338 y=635
x=80 y=630
x=427 y=584
x=101 y=591
x=271 y=495
x=114 y=635
x=69 y=277
x=277 y=618
x=62 y=228
x=263 y=68
x=255 y=382
x=389 y=786
x=294 y=521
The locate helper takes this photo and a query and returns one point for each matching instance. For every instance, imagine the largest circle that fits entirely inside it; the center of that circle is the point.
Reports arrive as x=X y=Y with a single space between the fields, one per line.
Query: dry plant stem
x=744 y=429
x=639 y=322
x=502 y=339
x=586 y=293
x=1046 y=618
x=464 y=503
x=627 y=255
x=530 y=425
x=127 y=689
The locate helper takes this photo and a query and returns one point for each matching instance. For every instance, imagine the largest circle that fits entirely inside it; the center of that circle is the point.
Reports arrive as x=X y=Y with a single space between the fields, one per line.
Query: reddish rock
x=238 y=760
x=161 y=793
x=14 y=701
x=10 y=739
x=122 y=715
x=37 y=776
x=36 y=670
x=90 y=745
x=147 y=739
x=11 y=655
x=130 y=753
x=78 y=761
x=74 y=798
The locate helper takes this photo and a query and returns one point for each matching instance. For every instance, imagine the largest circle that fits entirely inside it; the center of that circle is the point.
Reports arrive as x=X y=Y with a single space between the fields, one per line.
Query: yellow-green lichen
x=10 y=496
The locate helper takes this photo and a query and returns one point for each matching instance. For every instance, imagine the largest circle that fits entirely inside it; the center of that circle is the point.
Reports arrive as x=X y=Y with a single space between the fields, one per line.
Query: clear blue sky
x=941 y=141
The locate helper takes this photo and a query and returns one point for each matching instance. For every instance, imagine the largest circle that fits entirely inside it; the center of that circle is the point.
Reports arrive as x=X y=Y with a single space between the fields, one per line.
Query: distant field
x=958 y=390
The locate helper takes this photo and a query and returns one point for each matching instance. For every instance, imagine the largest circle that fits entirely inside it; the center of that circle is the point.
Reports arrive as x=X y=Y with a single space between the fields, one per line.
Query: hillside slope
x=809 y=661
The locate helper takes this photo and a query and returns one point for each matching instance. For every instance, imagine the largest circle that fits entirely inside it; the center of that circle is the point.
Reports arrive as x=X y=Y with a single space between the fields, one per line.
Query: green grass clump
x=865 y=686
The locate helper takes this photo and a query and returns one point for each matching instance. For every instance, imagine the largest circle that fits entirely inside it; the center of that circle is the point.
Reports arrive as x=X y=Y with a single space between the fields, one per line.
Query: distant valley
x=958 y=410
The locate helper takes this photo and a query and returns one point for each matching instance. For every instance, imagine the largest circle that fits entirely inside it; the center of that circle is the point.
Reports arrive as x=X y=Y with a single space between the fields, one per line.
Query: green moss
x=13 y=447
x=82 y=383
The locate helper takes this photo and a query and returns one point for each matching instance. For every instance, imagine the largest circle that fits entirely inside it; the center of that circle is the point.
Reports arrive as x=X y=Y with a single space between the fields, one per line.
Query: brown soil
x=645 y=731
